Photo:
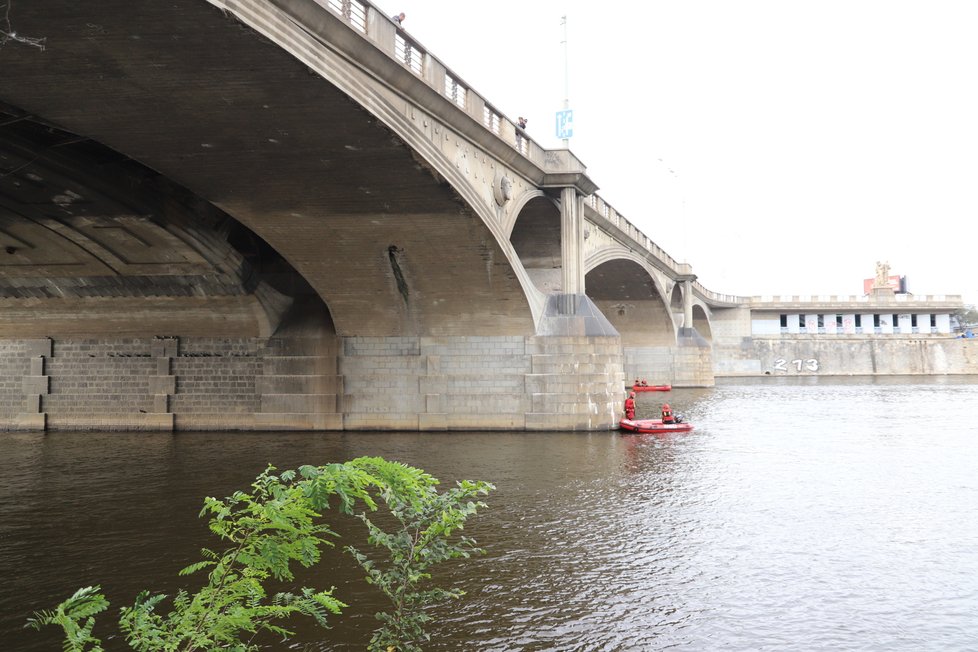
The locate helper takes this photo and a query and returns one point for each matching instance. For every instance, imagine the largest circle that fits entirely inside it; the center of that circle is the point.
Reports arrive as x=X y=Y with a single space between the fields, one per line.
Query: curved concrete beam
x=466 y=168
x=91 y=243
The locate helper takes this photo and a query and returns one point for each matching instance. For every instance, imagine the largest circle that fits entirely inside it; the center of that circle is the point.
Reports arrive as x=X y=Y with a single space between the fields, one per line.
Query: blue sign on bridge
x=565 y=124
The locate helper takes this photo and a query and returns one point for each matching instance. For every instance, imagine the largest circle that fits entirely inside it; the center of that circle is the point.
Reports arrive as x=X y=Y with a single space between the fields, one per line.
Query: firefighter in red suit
x=630 y=406
x=667 y=416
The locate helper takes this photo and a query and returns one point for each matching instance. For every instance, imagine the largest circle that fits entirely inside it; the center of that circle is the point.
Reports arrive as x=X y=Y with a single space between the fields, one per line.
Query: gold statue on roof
x=882 y=275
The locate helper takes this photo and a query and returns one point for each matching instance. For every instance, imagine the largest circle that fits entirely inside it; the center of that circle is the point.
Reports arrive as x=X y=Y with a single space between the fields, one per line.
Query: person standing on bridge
x=630 y=406
x=399 y=18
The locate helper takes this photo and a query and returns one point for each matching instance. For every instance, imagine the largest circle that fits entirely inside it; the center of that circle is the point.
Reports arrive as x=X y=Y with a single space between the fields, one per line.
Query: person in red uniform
x=667 y=416
x=630 y=406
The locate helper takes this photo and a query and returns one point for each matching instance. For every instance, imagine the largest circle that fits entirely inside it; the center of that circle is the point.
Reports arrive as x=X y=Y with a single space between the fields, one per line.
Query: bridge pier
x=566 y=377
x=481 y=383
x=693 y=360
x=693 y=357
x=688 y=363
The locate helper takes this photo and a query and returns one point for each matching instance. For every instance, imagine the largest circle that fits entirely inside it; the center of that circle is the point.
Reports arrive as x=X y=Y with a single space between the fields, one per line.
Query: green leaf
x=193 y=568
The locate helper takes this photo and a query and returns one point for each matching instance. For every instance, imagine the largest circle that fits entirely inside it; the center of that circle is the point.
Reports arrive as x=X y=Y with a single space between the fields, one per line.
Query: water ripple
x=794 y=530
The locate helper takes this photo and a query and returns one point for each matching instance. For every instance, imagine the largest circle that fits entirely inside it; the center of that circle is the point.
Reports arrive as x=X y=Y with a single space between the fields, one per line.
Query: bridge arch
x=535 y=235
x=631 y=296
x=410 y=244
x=487 y=277
x=103 y=245
x=676 y=299
x=701 y=321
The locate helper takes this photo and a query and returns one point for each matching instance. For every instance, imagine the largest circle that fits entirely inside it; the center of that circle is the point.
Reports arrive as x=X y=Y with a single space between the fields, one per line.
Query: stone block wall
x=736 y=358
x=656 y=364
x=434 y=383
x=165 y=384
x=693 y=362
x=688 y=364
x=298 y=384
x=97 y=384
x=577 y=383
x=311 y=383
x=214 y=383
x=22 y=382
x=487 y=383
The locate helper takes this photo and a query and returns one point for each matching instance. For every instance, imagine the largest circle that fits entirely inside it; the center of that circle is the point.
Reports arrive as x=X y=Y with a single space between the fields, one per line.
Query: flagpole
x=563 y=21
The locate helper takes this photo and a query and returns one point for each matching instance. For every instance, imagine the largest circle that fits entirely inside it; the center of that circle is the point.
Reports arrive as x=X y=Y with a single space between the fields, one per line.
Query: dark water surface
x=815 y=516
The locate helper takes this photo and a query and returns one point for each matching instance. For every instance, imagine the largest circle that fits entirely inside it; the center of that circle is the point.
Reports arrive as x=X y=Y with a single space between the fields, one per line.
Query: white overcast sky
x=778 y=146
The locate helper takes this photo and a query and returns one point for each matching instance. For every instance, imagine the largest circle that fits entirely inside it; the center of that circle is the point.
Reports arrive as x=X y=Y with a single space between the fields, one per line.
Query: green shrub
x=278 y=524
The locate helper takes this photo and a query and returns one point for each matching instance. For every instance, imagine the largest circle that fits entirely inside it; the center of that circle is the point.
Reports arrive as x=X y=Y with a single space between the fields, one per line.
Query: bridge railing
x=353 y=12
x=607 y=212
x=374 y=24
x=409 y=53
x=839 y=299
x=717 y=298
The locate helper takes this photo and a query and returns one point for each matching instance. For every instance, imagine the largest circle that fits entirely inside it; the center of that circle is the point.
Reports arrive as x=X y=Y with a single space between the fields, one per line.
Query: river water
x=820 y=515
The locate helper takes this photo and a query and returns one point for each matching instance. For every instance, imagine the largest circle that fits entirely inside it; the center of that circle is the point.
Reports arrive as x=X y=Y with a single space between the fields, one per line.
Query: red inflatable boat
x=652 y=426
x=651 y=388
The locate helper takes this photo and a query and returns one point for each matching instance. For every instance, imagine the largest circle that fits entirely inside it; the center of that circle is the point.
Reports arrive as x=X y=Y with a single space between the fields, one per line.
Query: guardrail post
x=380 y=30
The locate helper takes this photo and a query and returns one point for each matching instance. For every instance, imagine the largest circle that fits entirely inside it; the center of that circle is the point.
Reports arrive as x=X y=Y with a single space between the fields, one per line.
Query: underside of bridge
x=207 y=104
x=676 y=300
x=536 y=238
x=92 y=242
x=197 y=231
x=629 y=298
x=628 y=295
x=654 y=344
x=701 y=323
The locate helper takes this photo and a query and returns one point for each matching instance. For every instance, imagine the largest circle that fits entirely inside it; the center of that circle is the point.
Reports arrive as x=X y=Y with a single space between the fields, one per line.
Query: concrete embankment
x=842 y=356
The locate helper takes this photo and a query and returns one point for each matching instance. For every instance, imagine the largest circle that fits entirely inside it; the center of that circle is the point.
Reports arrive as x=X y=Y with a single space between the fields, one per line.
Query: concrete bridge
x=289 y=214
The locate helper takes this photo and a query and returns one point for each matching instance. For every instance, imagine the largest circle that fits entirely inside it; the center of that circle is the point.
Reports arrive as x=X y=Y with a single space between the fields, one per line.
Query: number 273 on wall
x=810 y=365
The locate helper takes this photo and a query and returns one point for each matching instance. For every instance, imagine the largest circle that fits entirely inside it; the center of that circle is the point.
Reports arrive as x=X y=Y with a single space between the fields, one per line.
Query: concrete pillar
x=572 y=241
x=36 y=386
x=163 y=386
x=380 y=29
x=688 y=303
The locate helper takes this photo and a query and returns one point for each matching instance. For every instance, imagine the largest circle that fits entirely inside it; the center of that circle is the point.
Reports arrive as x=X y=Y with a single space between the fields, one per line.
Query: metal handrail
x=352 y=11
x=407 y=52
